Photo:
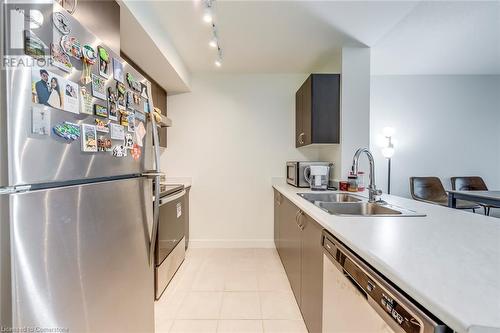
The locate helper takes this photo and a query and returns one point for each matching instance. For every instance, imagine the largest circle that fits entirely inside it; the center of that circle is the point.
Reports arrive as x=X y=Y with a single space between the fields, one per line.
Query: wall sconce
x=388 y=152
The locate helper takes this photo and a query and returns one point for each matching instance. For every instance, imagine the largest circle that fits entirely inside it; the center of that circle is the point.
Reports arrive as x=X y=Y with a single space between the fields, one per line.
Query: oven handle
x=170 y=198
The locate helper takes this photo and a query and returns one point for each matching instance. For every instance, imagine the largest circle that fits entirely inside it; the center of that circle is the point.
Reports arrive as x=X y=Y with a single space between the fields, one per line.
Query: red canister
x=343 y=185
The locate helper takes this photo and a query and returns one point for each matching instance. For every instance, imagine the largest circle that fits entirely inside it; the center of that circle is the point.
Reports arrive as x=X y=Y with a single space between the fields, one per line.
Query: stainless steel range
x=170 y=245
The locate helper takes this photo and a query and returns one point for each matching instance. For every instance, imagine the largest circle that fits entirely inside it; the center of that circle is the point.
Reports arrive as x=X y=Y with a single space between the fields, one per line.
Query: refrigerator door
x=80 y=257
x=38 y=158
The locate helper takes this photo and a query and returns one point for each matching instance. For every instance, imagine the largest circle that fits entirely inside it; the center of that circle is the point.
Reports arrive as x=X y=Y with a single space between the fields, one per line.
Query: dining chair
x=431 y=190
x=471 y=183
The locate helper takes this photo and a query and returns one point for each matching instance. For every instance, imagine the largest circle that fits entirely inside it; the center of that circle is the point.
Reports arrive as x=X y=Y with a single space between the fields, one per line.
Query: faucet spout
x=372 y=189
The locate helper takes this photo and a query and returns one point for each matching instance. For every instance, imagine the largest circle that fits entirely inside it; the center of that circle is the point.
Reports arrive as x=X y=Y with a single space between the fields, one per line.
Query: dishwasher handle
x=169 y=198
x=355 y=283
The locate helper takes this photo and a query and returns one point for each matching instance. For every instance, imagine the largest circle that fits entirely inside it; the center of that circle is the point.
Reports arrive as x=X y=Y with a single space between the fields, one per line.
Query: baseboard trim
x=232 y=243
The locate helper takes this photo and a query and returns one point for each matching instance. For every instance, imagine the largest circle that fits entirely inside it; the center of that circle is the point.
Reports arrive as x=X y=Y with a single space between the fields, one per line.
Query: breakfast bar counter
x=447 y=261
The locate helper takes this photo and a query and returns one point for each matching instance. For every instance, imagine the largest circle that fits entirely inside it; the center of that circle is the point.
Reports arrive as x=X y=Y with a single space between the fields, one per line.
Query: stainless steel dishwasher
x=357 y=299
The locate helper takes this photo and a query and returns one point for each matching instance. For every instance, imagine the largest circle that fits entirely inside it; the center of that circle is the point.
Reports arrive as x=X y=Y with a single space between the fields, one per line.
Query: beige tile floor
x=229 y=290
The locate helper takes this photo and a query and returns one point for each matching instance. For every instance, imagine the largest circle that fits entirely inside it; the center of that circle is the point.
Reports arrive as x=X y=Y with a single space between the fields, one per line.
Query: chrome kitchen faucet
x=372 y=189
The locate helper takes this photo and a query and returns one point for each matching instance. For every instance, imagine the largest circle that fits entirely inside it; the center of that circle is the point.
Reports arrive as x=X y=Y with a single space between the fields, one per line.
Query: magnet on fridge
x=104 y=144
x=123 y=118
x=61 y=23
x=118 y=70
x=89 y=138
x=136 y=152
x=133 y=83
x=140 y=132
x=89 y=57
x=137 y=98
x=71 y=46
x=121 y=91
x=140 y=116
x=40 y=120
x=129 y=141
x=117 y=132
x=85 y=101
x=98 y=87
x=131 y=122
x=102 y=126
x=104 y=60
x=129 y=99
x=101 y=110
x=144 y=91
x=66 y=130
x=119 y=151
x=59 y=58
x=113 y=110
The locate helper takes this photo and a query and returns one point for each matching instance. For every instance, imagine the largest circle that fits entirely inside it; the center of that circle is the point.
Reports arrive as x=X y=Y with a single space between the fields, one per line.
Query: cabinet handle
x=301 y=138
x=297 y=219
x=278 y=199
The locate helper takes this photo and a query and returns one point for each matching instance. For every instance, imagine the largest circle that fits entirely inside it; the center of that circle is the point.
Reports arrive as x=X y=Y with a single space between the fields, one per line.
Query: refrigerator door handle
x=152 y=174
x=14 y=189
x=156 y=206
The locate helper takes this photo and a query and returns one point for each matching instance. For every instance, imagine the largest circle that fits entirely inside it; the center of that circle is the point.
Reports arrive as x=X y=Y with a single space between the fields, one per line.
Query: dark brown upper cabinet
x=317 y=110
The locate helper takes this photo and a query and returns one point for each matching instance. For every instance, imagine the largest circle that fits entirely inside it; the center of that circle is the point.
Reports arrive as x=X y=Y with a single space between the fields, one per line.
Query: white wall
x=232 y=134
x=355 y=112
x=445 y=126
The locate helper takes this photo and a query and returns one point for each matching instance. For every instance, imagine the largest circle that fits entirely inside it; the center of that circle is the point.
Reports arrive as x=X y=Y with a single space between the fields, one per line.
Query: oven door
x=292 y=173
x=171 y=225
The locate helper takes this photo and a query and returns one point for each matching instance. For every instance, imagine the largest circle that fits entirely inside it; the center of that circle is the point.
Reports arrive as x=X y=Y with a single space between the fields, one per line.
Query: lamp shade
x=388 y=131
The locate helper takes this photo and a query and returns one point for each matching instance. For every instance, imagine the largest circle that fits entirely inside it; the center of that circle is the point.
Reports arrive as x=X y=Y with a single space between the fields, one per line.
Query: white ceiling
x=442 y=38
x=407 y=37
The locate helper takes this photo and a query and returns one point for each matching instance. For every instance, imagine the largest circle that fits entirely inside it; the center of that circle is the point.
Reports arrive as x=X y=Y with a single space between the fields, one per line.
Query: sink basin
x=361 y=208
x=365 y=209
x=330 y=197
x=346 y=204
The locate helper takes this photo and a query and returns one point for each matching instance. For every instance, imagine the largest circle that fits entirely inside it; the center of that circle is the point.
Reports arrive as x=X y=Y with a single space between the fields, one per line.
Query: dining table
x=491 y=198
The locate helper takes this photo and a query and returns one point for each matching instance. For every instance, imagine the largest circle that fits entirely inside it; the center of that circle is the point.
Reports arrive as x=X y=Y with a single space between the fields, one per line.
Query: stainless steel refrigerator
x=76 y=227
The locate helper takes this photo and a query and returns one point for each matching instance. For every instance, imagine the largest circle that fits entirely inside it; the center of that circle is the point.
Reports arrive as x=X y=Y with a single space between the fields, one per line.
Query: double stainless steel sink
x=345 y=204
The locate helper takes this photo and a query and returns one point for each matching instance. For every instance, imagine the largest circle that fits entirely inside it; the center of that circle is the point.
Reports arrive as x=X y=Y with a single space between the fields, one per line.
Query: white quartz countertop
x=448 y=261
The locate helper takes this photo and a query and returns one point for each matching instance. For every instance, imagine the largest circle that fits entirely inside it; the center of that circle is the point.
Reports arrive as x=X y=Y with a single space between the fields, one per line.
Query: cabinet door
x=277 y=204
x=299 y=99
x=303 y=116
x=311 y=301
x=325 y=103
x=290 y=243
x=307 y=112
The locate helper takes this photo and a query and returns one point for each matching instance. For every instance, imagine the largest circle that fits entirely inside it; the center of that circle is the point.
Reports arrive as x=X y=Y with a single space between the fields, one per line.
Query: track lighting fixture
x=218 y=61
x=207 y=12
x=208 y=16
x=214 y=41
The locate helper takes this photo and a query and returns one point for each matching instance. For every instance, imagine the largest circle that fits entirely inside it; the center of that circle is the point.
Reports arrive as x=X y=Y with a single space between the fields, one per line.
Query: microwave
x=295 y=172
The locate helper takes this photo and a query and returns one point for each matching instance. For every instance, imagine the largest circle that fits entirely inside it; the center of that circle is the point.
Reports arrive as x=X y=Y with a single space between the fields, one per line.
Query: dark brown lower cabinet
x=311 y=287
x=290 y=243
x=298 y=239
